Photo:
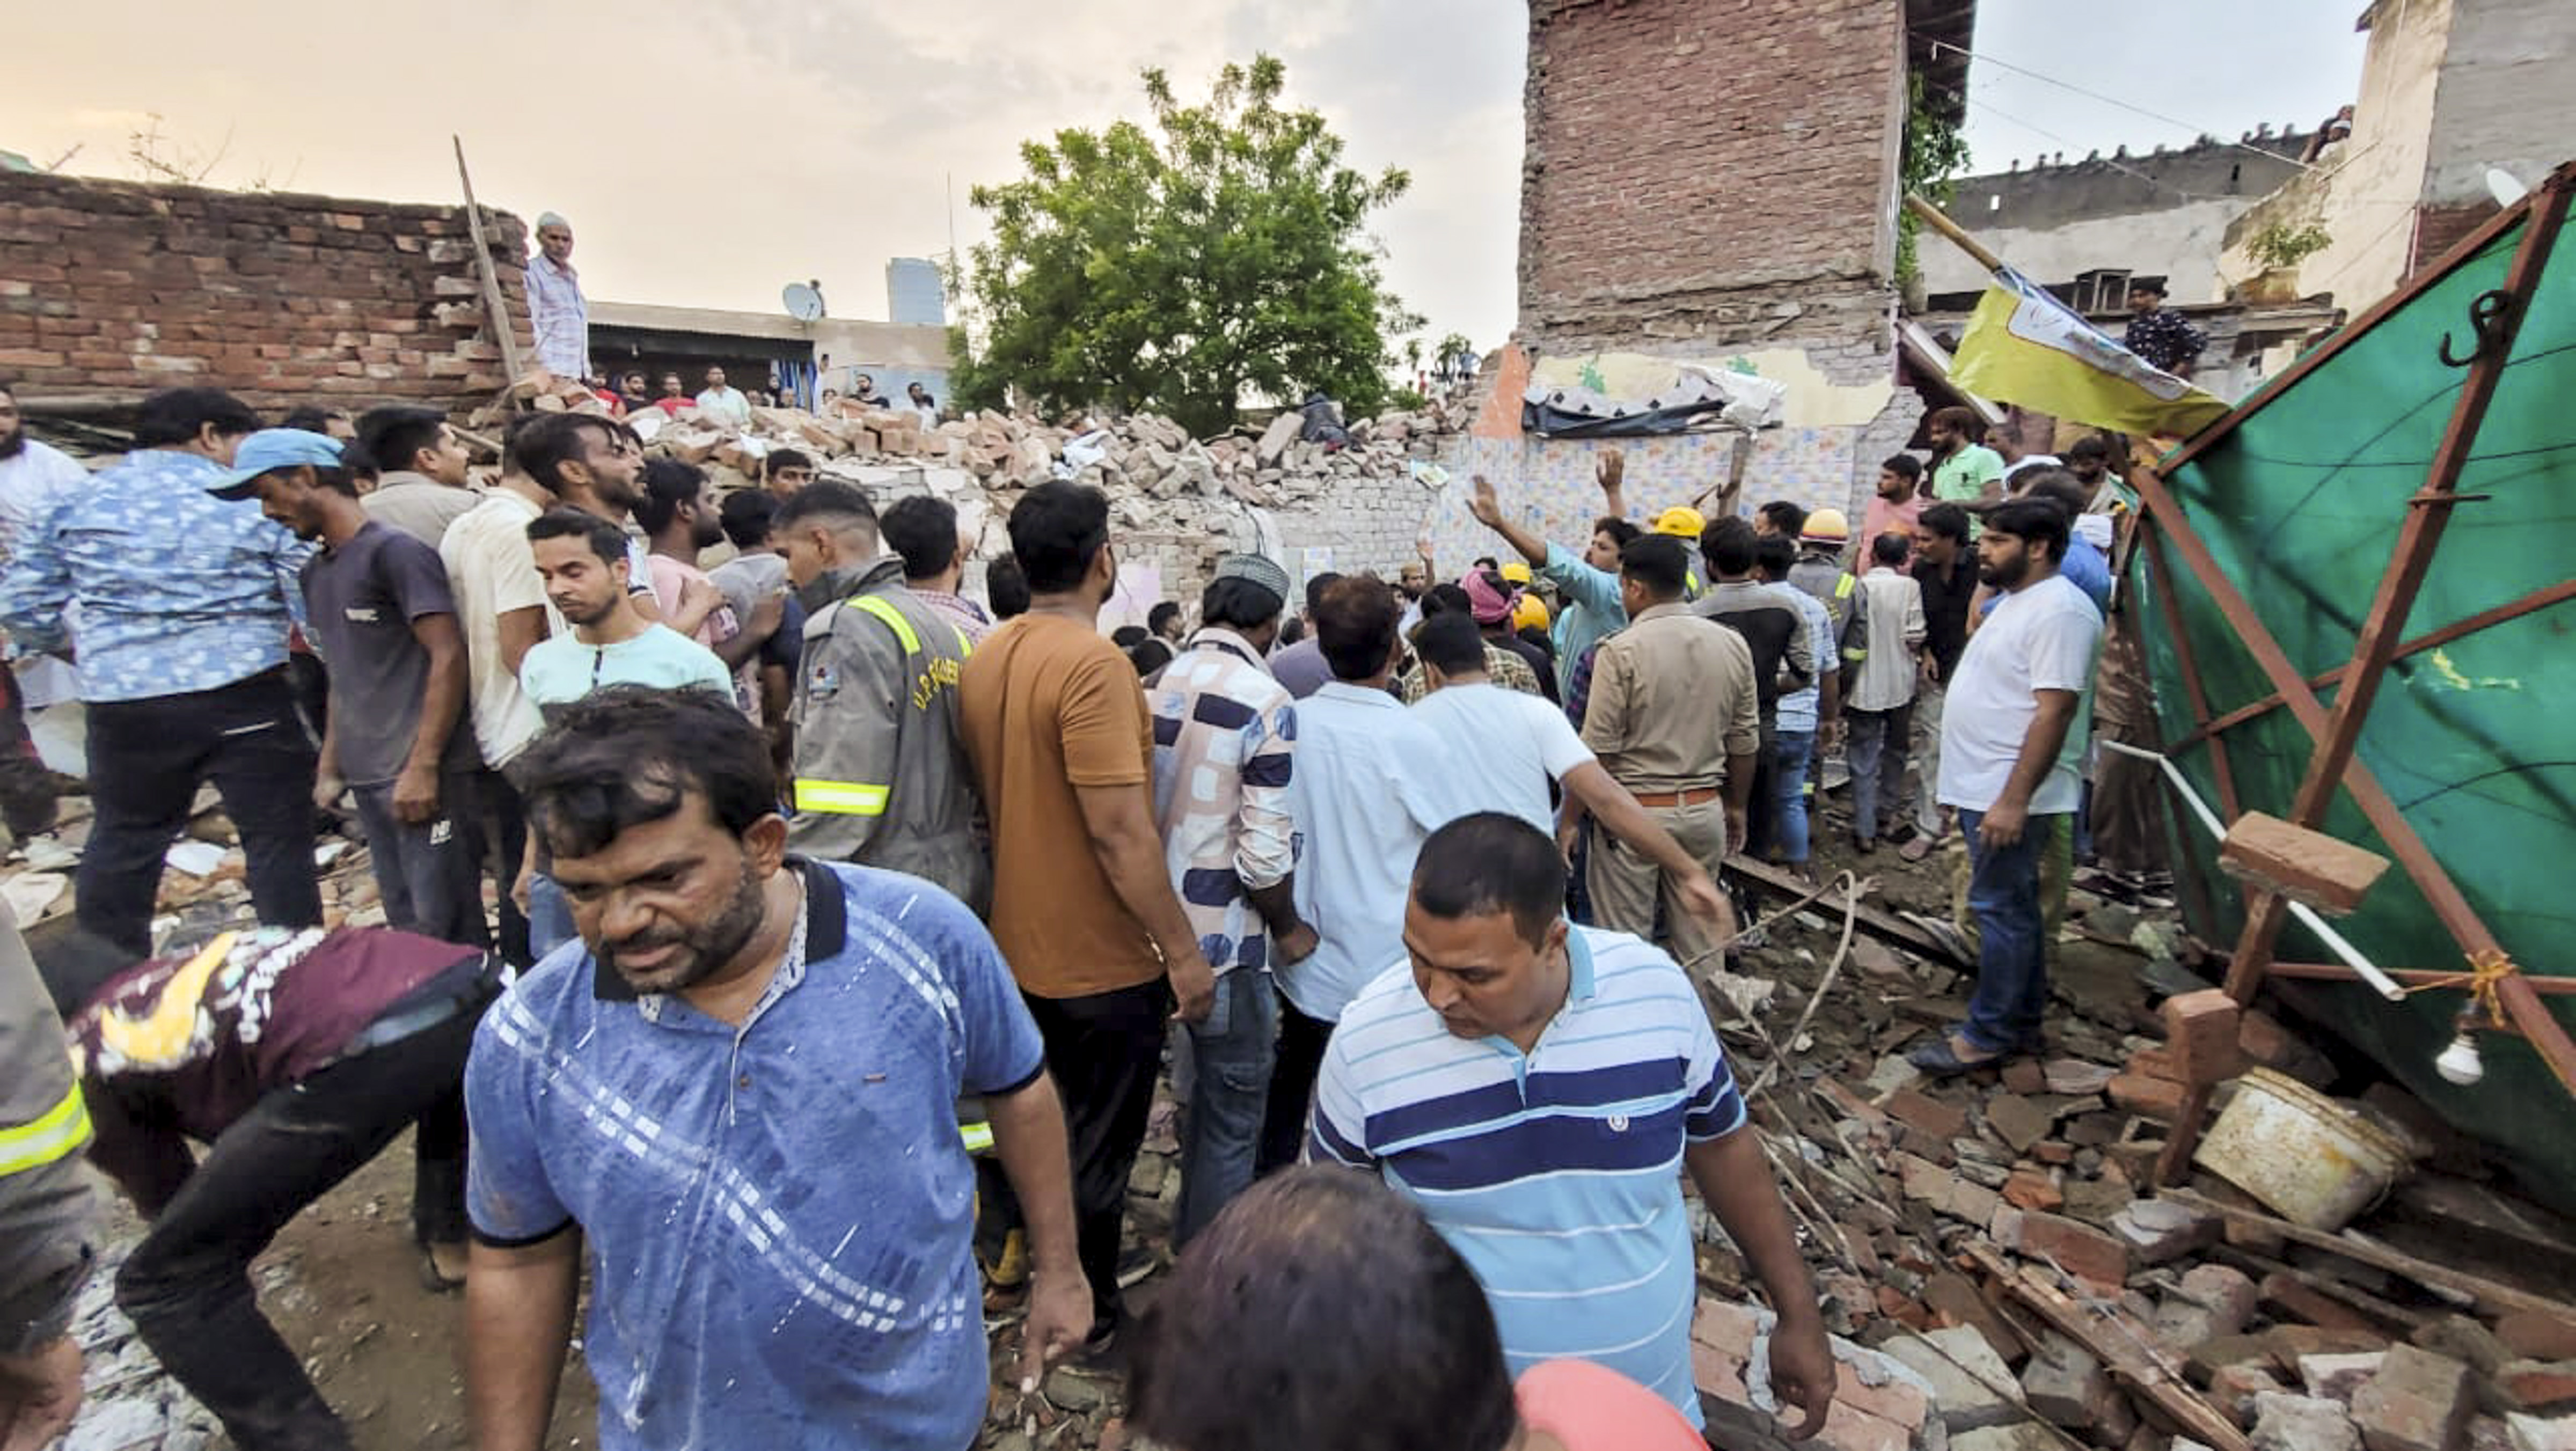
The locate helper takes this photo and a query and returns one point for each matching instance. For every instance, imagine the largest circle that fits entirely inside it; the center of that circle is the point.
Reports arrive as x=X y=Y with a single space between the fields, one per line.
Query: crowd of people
x=1422 y=880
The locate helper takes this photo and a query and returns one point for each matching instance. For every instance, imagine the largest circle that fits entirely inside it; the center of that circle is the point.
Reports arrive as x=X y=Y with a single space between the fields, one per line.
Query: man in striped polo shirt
x=1535 y=1087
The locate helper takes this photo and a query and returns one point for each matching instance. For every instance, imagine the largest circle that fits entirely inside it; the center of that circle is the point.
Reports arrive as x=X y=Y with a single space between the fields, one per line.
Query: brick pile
x=117 y=288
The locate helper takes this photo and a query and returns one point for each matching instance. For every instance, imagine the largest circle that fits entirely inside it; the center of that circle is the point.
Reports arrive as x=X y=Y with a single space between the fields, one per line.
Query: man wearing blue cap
x=183 y=601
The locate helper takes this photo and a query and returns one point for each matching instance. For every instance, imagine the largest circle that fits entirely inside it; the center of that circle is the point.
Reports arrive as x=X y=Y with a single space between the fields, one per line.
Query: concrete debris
x=2418 y=1401
x=2284 y=1422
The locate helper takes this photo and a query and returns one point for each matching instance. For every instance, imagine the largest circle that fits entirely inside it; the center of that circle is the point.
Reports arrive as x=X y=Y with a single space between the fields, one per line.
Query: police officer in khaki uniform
x=880 y=775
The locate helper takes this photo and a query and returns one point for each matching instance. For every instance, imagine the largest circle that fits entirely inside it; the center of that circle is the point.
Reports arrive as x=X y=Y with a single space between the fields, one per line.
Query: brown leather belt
x=1688 y=796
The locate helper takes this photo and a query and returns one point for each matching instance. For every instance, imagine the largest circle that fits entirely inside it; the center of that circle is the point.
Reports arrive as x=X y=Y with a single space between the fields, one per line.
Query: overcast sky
x=707 y=155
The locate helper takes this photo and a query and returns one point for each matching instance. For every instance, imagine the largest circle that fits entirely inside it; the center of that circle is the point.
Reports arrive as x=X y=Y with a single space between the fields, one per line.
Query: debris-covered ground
x=1986 y=1246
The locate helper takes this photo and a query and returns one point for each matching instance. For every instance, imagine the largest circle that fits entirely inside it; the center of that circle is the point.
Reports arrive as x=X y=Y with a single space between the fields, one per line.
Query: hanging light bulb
x=2460 y=1062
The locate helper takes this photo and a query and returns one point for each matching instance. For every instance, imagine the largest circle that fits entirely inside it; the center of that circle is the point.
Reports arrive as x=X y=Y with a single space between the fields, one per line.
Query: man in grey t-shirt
x=384 y=621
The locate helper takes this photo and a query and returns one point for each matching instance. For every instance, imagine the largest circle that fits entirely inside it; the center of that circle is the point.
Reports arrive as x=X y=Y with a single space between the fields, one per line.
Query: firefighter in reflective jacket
x=880 y=773
x=47 y=1217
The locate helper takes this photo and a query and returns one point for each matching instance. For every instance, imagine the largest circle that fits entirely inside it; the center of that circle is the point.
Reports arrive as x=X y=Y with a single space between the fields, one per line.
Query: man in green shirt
x=1964 y=470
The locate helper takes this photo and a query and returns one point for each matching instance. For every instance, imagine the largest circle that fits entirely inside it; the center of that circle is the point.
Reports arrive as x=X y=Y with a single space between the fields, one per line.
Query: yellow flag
x=2024 y=346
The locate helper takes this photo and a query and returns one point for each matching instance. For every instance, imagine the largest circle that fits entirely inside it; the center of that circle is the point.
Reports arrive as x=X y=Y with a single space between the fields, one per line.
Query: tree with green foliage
x=1221 y=255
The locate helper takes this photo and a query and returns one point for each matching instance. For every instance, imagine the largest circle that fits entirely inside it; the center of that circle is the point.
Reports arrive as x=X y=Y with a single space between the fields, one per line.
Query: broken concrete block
x=1969 y=1381
x=2303 y=865
x=2337 y=1377
x=2537 y=1433
x=2076 y=1078
x=2418 y=1401
x=2157 y=1230
x=1945 y=1192
x=2201 y=1030
x=2067 y=1385
x=2284 y=1422
x=1283 y=431
x=2234 y=1388
x=2156 y=1098
x=2212 y=1303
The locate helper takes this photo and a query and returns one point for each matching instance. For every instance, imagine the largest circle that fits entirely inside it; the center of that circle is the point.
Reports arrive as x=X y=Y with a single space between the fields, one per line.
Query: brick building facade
x=1717 y=185
x=116 y=288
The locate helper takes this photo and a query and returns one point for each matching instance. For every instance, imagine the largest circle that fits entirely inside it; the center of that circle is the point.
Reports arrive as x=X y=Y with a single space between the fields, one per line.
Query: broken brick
x=2533 y=1433
x=2157 y=1230
x=2018 y=1121
x=1954 y=1298
x=2233 y=1389
x=2289 y=1342
x=2202 y=1036
x=1908 y=1106
x=2024 y=1075
x=2538 y=1335
x=1945 y=1192
x=2032 y=1189
x=2074 y=1077
x=2290 y=1299
x=2299 y=863
x=2419 y=1401
x=2464 y=1339
x=2052 y=1151
x=1968 y=1379
x=2066 y=1385
x=2221 y=1351
x=2079 y=1249
x=2337 y=1377
x=2155 y=1098
x=2535 y=1385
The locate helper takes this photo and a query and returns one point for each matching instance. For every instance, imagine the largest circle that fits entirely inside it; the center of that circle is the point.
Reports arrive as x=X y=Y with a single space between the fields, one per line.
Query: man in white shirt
x=1505 y=748
x=33 y=476
x=2012 y=733
x=555 y=304
x=724 y=404
x=1880 y=705
x=1371 y=784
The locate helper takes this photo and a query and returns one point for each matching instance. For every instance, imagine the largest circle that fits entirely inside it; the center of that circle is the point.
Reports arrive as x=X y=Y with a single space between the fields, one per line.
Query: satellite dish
x=2504 y=186
x=804 y=301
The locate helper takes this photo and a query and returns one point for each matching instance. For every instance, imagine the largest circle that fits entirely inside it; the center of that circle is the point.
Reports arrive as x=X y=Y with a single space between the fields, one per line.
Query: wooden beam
x=1876 y=920
x=2490 y=1296
x=496 y=311
x=2124 y=1355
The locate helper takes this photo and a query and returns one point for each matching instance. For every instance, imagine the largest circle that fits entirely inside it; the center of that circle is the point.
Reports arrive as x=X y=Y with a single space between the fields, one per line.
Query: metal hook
x=2487 y=318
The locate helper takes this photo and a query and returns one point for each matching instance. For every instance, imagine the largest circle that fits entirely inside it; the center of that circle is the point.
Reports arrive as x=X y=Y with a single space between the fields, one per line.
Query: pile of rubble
x=2010 y=1281
x=1158 y=477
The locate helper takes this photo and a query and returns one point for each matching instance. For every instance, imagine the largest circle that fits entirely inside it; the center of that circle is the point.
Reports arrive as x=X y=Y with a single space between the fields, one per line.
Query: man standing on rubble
x=720 y=402
x=555 y=304
x=184 y=602
x=881 y=775
x=395 y=738
x=1056 y=727
x=2012 y=733
x=1775 y=630
x=1945 y=573
x=1567 y=1205
x=2160 y=336
x=1225 y=748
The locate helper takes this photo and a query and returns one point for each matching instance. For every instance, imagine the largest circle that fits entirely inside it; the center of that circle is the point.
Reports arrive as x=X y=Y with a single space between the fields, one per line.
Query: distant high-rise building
x=913 y=293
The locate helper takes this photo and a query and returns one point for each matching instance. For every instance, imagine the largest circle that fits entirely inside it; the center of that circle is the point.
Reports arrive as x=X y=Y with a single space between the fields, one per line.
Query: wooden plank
x=1876 y=920
x=496 y=312
x=2124 y=1355
x=2489 y=1295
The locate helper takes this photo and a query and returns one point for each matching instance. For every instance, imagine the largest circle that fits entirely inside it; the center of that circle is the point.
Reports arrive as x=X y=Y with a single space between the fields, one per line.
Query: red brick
x=2080 y=1249
x=1932 y=1116
x=2419 y=1401
x=2156 y=1098
x=2032 y=1189
x=2538 y=1335
x=2306 y=866
x=2287 y=1299
x=2201 y=1029
x=2539 y=1385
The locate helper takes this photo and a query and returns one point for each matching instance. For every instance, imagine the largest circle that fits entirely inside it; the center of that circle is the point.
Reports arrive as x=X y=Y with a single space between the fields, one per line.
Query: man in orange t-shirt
x=1056 y=729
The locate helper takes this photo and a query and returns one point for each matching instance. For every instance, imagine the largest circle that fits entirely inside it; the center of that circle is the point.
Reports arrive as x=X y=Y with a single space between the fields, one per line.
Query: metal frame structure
x=2166 y=532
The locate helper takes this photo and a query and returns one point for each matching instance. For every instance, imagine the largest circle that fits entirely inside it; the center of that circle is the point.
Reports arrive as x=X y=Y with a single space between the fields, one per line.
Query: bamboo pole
x=496 y=312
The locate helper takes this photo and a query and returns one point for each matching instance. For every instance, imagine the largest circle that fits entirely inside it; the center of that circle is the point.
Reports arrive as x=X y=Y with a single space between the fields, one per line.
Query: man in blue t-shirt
x=588 y=573
x=736 y=1095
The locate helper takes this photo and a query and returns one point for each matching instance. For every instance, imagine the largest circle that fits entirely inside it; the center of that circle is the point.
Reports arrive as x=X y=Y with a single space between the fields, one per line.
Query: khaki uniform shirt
x=1673 y=695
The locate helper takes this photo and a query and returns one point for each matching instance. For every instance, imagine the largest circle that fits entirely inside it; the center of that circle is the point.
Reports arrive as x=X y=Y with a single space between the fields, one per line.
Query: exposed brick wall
x=1721 y=175
x=121 y=287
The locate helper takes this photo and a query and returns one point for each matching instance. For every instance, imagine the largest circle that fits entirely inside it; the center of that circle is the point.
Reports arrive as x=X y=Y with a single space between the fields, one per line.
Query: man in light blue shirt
x=1371 y=785
x=584 y=562
x=184 y=598
x=1538 y=1090
x=1588 y=583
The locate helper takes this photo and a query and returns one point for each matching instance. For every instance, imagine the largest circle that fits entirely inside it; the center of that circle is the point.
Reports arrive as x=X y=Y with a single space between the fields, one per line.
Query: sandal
x=1922 y=846
x=1939 y=1060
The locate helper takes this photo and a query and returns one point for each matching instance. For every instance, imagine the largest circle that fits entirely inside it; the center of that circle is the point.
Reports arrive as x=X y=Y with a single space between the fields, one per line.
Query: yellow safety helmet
x=1530 y=611
x=1681 y=521
x=1517 y=572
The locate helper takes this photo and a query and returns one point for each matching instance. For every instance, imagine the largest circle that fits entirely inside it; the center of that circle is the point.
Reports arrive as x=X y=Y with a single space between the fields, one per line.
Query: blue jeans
x=2005 y=1012
x=550 y=922
x=1789 y=780
x=1231 y=1056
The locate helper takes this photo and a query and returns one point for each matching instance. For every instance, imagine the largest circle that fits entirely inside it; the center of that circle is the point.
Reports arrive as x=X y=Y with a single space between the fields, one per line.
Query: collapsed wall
x=117 y=288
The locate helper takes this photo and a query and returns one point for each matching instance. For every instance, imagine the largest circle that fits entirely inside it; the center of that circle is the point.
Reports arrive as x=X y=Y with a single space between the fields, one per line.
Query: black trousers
x=187 y=1285
x=1105 y=1051
x=1302 y=1041
x=146 y=760
x=500 y=827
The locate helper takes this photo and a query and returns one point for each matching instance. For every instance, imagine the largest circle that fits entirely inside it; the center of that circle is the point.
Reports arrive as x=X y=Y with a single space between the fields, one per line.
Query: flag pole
x=1939 y=221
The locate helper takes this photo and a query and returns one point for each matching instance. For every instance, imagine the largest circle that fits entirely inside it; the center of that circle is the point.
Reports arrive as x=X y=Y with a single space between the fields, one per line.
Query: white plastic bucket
x=2315 y=1162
